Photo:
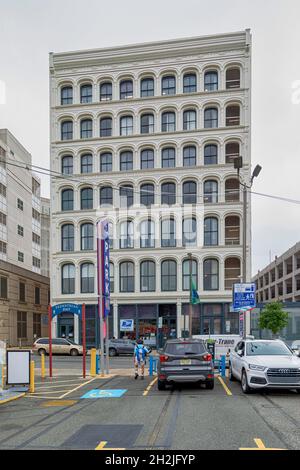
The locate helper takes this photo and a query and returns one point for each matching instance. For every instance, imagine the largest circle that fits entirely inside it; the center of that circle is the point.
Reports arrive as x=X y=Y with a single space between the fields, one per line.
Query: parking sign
x=244 y=295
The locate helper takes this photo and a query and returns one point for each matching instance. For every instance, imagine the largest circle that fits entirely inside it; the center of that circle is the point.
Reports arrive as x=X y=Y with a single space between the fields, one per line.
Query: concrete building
x=24 y=291
x=45 y=237
x=145 y=135
x=280 y=280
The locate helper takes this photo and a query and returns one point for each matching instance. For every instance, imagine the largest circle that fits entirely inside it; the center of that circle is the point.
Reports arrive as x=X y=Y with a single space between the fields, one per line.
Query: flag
x=194 y=296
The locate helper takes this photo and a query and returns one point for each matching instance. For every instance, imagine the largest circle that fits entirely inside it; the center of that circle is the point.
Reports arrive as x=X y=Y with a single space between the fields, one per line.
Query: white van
x=223 y=343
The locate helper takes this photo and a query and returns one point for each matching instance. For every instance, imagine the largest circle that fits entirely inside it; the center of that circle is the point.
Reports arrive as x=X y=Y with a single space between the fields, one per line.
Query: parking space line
x=77 y=388
x=260 y=446
x=51 y=387
x=229 y=393
x=102 y=444
x=147 y=390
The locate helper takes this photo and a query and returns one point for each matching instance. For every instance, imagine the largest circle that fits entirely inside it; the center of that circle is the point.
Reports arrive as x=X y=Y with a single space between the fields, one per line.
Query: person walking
x=140 y=353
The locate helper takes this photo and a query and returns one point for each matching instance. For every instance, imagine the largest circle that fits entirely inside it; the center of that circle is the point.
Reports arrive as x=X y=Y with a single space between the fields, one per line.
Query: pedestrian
x=140 y=353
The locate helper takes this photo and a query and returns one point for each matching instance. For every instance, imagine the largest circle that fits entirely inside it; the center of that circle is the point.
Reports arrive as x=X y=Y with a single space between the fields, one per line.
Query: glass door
x=212 y=326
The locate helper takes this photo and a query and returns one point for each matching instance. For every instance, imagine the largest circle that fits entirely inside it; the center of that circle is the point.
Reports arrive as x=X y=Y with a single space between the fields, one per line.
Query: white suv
x=264 y=364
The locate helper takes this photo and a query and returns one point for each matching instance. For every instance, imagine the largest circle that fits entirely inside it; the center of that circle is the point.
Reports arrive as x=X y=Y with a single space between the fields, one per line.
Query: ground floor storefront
x=154 y=322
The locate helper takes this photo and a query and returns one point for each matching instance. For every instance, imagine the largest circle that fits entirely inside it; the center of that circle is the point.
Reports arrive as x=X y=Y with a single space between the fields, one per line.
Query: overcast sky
x=30 y=29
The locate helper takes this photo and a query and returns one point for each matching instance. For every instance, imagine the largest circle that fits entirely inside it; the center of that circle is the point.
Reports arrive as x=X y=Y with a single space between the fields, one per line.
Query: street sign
x=104 y=393
x=127 y=325
x=66 y=308
x=244 y=295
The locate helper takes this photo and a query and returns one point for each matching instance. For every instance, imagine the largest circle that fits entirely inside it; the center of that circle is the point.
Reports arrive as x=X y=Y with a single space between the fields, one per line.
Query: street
x=187 y=417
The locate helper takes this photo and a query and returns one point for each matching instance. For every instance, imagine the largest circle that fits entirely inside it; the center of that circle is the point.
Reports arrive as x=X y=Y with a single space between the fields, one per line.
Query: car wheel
x=112 y=352
x=161 y=385
x=231 y=376
x=42 y=351
x=244 y=383
x=209 y=385
x=74 y=352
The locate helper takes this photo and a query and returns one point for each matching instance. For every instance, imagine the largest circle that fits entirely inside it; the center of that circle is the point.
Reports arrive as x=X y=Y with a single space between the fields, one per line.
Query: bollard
x=223 y=366
x=43 y=372
x=155 y=361
x=150 y=365
x=97 y=364
x=31 y=387
x=93 y=362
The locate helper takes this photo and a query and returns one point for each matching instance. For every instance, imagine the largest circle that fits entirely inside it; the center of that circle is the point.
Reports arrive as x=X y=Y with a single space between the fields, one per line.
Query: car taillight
x=163 y=358
x=207 y=357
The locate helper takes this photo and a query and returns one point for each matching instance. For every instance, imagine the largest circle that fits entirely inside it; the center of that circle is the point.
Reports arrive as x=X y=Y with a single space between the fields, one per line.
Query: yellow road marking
x=60 y=403
x=260 y=446
x=102 y=444
x=55 y=386
x=224 y=386
x=147 y=390
x=76 y=388
x=7 y=400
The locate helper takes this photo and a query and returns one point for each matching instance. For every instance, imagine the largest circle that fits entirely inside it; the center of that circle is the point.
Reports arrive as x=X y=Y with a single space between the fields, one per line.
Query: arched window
x=147 y=159
x=106 y=127
x=147 y=123
x=232 y=115
x=67 y=165
x=189 y=231
x=147 y=195
x=86 y=93
x=67 y=237
x=106 y=196
x=147 y=276
x=87 y=236
x=189 y=120
x=232 y=150
x=126 y=160
x=232 y=272
x=147 y=234
x=168 y=122
x=87 y=163
x=112 y=277
x=127 y=276
x=67 y=130
x=86 y=128
x=186 y=274
x=210 y=154
x=126 y=196
x=126 y=89
x=111 y=235
x=189 y=155
x=126 y=125
x=189 y=192
x=168 y=233
x=211 y=81
x=168 y=276
x=168 y=85
x=66 y=95
x=147 y=87
x=126 y=234
x=232 y=230
x=233 y=78
x=86 y=198
x=211 y=274
x=210 y=191
x=168 y=157
x=105 y=162
x=68 y=279
x=106 y=91
x=67 y=199
x=87 y=278
x=232 y=190
x=168 y=193
x=211 y=231
x=189 y=83
x=210 y=118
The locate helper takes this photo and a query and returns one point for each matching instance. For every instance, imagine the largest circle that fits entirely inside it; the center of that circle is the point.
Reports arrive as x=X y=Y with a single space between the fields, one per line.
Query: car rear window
x=42 y=341
x=184 y=349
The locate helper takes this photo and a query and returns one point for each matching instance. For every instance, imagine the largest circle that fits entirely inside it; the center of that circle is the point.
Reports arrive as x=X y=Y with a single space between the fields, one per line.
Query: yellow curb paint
x=224 y=386
x=147 y=390
x=7 y=400
x=260 y=446
x=59 y=403
x=102 y=444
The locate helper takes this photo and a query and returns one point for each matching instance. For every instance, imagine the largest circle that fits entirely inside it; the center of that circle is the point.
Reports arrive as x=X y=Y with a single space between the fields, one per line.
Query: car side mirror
x=240 y=352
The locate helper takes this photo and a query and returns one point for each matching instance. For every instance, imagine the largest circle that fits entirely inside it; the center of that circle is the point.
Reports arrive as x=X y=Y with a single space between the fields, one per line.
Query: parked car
x=185 y=360
x=260 y=364
x=122 y=346
x=59 y=346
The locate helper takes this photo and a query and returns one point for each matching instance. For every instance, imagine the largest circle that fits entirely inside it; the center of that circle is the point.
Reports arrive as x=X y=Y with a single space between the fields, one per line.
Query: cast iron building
x=145 y=135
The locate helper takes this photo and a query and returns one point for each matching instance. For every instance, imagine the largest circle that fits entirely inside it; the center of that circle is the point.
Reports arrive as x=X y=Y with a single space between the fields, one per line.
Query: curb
x=7 y=400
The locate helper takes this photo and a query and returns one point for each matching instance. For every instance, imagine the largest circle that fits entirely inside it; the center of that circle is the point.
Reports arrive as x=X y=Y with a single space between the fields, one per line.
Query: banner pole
x=100 y=294
x=50 y=338
x=83 y=341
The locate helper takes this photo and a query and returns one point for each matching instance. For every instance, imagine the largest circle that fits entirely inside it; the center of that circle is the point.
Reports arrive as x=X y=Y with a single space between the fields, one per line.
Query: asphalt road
x=189 y=417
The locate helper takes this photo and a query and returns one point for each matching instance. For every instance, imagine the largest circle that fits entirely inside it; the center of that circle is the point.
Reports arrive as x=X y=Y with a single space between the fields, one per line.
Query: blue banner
x=66 y=308
x=105 y=267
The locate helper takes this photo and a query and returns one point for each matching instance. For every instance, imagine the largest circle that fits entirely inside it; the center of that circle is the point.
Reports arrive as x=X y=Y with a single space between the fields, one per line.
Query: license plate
x=185 y=362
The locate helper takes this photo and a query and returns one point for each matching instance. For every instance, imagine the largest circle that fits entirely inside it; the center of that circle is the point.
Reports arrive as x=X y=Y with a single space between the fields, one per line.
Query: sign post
x=83 y=340
x=244 y=299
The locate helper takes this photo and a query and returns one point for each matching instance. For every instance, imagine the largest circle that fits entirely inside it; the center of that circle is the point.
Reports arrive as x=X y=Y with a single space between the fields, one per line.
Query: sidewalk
x=9 y=395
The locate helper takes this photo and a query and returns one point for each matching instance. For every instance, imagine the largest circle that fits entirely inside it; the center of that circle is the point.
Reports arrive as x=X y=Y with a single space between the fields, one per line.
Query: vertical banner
x=103 y=283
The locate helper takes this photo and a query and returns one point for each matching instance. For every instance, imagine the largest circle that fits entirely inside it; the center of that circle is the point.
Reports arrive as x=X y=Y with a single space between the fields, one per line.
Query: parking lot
x=119 y=412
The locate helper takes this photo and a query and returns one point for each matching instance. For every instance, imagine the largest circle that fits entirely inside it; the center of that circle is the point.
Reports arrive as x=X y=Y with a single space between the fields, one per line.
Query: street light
x=238 y=164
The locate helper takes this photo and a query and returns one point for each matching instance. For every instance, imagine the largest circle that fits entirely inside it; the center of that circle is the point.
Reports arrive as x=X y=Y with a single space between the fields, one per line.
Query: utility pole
x=190 y=304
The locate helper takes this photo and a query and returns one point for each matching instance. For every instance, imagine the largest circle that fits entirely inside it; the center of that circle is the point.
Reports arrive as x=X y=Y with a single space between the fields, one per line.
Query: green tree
x=273 y=317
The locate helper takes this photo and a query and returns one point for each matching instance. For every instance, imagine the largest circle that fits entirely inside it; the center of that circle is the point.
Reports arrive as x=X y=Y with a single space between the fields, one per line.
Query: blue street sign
x=66 y=308
x=104 y=393
x=127 y=325
x=244 y=295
